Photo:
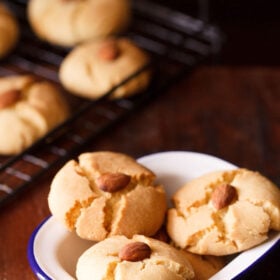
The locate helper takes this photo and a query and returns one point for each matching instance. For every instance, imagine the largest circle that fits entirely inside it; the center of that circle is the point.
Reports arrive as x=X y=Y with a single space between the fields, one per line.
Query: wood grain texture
x=229 y=112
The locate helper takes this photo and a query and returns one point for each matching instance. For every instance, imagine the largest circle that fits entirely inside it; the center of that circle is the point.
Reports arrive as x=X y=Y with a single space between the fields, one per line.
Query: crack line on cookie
x=172 y=266
x=74 y=213
x=266 y=207
x=111 y=268
x=108 y=216
x=114 y=200
x=227 y=178
x=219 y=224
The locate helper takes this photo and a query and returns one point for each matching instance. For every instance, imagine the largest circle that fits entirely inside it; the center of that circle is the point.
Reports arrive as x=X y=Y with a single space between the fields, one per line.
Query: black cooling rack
x=177 y=43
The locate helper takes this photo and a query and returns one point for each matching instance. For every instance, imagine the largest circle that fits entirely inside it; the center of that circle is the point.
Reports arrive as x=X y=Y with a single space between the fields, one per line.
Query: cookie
x=29 y=108
x=224 y=212
x=70 y=22
x=205 y=266
x=93 y=68
x=105 y=194
x=138 y=258
x=9 y=30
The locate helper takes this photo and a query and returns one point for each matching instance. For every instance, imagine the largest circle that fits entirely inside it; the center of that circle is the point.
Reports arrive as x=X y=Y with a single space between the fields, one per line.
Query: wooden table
x=227 y=111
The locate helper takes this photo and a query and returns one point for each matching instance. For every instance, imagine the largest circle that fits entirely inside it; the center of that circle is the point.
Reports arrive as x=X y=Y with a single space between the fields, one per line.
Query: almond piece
x=136 y=251
x=109 y=50
x=112 y=182
x=9 y=97
x=223 y=195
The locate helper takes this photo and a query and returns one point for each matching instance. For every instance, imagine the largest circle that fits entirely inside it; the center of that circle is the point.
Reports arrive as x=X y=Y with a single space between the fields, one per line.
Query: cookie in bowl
x=9 y=30
x=29 y=108
x=107 y=193
x=137 y=258
x=224 y=212
x=92 y=69
x=205 y=266
x=71 y=22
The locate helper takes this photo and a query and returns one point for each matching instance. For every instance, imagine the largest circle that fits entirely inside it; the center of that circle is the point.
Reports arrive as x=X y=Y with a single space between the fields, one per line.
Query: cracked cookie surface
x=102 y=261
x=205 y=266
x=199 y=225
x=78 y=201
x=93 y=68
x=25 y=111
x=70 y=22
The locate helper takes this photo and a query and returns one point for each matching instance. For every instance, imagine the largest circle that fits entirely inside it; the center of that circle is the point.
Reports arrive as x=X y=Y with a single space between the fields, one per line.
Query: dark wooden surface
x=230 y=110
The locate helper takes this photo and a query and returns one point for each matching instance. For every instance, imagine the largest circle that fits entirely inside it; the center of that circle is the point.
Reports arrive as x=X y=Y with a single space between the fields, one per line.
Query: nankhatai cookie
x=29 y=108
x=205 y=266
x=106 y=193
x=92 y=69
x=224 y=212
x=138 y=258
x=69 y=22
x=9 y=30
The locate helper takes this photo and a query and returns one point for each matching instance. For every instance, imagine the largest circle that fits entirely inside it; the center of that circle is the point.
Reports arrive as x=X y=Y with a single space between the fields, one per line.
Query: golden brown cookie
x=93 y=68
x=205 y=266
x=224 y=212
x=29 y=108
x=69 y=22
x=138 y=258
x=106 y=193
x=9 y=30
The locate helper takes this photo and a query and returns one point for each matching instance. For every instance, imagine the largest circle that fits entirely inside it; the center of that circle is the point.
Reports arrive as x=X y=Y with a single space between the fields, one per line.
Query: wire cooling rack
x=177 y=43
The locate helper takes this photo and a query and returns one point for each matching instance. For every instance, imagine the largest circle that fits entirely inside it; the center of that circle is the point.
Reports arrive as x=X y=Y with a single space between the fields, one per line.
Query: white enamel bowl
x=53 y=251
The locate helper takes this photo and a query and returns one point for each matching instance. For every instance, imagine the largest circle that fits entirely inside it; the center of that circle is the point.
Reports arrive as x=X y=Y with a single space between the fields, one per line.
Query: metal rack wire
x=177 y=43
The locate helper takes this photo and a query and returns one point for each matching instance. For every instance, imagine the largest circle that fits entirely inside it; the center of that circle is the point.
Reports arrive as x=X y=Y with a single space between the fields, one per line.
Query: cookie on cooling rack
x=69 y=22
x=105 y=194
x=137 y=258
x=93 y=68
x=9 y=30
x=224 y=212
x=29 y=108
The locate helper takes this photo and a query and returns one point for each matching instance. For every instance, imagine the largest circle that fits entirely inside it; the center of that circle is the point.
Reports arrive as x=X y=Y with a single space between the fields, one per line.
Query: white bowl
x=53 y=251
